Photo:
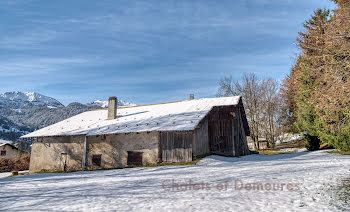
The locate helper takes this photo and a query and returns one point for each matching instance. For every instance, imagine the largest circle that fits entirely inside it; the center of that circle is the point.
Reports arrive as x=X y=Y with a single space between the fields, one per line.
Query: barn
x=8 y=151
x=117 y=137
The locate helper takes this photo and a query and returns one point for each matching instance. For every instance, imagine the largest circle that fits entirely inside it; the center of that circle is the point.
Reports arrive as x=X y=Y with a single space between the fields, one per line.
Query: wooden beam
x=83 y=162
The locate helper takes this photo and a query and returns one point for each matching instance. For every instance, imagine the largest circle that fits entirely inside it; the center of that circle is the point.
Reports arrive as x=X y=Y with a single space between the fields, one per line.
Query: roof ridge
x=122 y=107
x=166 y=116
x=161 y=103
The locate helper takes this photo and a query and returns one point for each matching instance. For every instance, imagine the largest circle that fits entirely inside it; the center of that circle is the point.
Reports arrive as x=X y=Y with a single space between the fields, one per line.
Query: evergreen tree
x=312 y=43
x=318 y=88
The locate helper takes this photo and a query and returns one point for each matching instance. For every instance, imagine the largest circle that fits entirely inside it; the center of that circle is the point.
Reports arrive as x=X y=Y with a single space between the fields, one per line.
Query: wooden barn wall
x=176 y=146
x=201 y=139
x=243 y=118
x=226 y=129
x=240 y=141
x=220 y=130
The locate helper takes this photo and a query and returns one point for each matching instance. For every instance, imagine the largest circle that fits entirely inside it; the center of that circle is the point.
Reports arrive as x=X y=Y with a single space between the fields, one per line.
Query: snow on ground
x=141 y=189
x=293 y=149
x=7 y=174
x=287 y=138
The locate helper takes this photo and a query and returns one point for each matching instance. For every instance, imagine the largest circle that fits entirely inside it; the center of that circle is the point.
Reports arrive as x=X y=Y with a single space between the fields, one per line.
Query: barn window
x=96 y=160
x=3 y=153
x=134 y=158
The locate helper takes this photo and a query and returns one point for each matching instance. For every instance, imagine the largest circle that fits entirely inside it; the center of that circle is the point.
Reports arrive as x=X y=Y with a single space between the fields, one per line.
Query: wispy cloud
x=37 y=66
x=162 y=49
x=34 y=39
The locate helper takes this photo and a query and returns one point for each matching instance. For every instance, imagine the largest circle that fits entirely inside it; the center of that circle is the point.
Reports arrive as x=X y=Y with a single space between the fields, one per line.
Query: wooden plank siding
x=200 y=144
x=176 y=146
x=220 y=136
x=220 y=130
x=242 y=139
x=226 y=131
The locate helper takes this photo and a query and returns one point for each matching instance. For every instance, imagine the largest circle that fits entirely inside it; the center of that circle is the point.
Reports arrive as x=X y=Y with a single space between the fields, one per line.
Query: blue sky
x=145 y=51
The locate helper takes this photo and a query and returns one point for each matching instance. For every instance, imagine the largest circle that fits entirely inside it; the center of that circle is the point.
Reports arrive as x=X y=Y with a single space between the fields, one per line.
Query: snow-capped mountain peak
x=18 y=99
x=21 y=112
x=104 y=104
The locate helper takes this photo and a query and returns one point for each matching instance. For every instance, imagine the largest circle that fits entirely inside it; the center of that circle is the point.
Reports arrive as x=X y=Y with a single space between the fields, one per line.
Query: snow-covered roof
x=3 y=144
x=5 y=141
x=172 y=116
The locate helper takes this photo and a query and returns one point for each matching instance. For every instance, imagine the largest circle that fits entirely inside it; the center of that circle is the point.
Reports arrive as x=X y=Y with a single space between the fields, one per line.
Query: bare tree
x=271 y=110
x=250 y=89
x=262 y=104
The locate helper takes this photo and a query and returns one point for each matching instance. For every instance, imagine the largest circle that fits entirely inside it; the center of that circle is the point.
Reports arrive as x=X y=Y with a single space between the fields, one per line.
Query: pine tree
x=334 y=100
x=312 y=43
x=318 y=88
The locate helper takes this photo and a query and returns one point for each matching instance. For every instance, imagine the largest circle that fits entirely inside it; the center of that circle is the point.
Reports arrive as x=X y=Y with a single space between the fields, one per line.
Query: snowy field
x=289 y=182
x=7 y=174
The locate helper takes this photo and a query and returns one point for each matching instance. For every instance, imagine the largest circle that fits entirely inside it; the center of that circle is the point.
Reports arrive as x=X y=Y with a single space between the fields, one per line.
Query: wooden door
x=220 y=137
x=176 y=147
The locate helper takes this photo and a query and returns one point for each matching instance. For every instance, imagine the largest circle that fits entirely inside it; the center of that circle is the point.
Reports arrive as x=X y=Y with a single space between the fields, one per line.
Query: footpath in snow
x=286 y=182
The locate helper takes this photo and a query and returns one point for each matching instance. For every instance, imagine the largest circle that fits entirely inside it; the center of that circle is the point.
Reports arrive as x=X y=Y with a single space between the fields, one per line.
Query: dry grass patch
x=336 y=151
x=15 y=164
x=274 y=152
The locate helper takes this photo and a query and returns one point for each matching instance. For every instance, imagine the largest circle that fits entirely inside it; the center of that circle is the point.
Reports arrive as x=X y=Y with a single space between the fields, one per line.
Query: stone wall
x=114 y=149
x=57 y=154
x=65 y=153
x=10 y=152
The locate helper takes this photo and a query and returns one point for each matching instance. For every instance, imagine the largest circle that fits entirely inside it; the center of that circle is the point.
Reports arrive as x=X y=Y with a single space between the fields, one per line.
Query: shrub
x=313 y=142
x=18 y=164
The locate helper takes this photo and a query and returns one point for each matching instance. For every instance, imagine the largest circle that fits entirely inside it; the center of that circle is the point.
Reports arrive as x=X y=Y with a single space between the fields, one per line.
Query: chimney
x=191 y=96
x=112 y=108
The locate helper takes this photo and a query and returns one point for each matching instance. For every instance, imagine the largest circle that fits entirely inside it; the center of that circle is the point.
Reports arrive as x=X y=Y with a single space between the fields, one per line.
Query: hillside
x=10 y=130
x=23 y=112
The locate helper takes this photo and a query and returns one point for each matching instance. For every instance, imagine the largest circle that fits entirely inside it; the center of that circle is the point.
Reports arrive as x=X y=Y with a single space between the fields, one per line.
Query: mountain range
x=24 y=112
x=18 y=99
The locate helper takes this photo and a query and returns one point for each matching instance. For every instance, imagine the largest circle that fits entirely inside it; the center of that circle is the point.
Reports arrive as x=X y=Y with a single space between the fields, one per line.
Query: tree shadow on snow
x=260 y=157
